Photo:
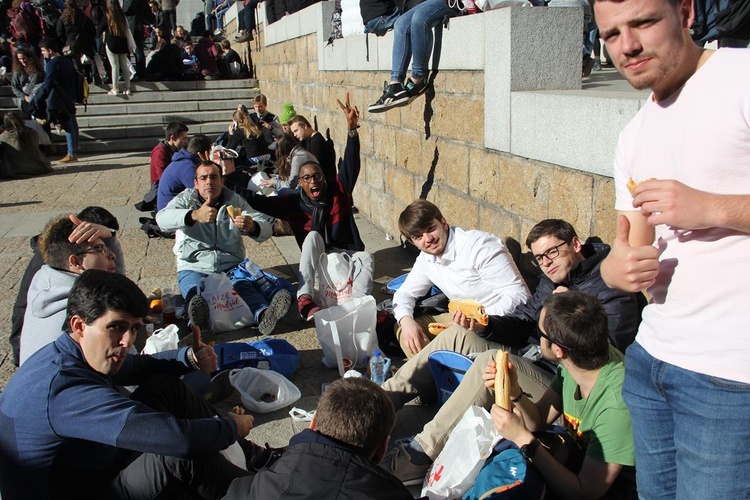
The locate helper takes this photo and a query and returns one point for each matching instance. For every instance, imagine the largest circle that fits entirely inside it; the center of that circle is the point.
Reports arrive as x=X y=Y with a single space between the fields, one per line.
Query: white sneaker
x=127 y=92
x=112 y=92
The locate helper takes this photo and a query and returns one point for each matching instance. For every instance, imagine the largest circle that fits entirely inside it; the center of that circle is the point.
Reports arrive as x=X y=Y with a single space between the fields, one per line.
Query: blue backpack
x=506 y=474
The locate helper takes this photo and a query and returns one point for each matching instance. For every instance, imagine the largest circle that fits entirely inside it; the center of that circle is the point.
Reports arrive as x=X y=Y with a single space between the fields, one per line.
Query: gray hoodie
x=45 y=313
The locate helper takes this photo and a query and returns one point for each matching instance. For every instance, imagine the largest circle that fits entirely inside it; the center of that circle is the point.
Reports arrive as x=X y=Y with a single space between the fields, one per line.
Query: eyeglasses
x=102 y=249
x=542 y=334
x=317 y=177
x=550 y=254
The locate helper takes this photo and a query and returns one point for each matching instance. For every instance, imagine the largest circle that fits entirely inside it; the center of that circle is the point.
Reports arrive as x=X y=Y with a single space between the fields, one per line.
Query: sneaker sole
x=200 y=316
x=413 y=482
x=380 y=108
x=277 y=309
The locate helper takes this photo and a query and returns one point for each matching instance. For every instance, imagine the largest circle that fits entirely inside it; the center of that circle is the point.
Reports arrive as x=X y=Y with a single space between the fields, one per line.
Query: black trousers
x=151 y=476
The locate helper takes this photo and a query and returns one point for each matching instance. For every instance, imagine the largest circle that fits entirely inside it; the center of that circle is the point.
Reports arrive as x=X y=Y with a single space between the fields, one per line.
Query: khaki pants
x=423 y=321
x=415 y=379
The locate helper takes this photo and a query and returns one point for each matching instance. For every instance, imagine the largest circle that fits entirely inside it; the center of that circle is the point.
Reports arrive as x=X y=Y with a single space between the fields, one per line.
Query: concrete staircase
x=136 y=122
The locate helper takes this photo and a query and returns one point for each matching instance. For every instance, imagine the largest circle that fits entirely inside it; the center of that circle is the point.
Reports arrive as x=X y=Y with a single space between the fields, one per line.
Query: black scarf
x=320 y=210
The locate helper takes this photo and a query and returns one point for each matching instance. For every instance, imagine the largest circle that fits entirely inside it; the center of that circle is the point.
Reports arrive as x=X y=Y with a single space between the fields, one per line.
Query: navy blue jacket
x=64 y=426
x=623 y=309
x=177 y=177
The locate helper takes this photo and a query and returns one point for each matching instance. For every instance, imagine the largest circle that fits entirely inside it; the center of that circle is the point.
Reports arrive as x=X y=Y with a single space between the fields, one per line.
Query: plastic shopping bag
x=227 y=309
x=336 y=279
x=463 y=456
x=347 y=331
x=263 y=391
x=164 y=339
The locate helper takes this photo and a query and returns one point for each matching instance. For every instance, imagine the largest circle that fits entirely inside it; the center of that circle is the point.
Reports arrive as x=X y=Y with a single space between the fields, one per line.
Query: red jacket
x=161 y=156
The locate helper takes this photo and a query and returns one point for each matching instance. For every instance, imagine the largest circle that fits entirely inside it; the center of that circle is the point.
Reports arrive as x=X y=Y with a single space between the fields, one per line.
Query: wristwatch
x=529 y=450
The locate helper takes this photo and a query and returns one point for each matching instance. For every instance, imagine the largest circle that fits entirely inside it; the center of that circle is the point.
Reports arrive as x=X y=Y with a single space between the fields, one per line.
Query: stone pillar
x=527 y=49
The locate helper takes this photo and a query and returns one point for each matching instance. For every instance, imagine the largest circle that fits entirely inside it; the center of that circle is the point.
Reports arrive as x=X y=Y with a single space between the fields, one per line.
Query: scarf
x=320 y=211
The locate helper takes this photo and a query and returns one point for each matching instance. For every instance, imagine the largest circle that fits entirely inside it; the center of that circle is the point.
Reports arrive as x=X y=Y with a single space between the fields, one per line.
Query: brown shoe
x=247 y=37
x=67 y=159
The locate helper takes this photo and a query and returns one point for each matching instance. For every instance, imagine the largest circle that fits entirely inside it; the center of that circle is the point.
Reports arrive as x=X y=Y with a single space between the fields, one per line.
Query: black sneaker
x=415 y=89
x=394 y=95
x=199 y=315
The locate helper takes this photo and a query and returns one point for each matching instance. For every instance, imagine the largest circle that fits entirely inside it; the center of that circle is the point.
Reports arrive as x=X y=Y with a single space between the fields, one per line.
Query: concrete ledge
x=534 y=103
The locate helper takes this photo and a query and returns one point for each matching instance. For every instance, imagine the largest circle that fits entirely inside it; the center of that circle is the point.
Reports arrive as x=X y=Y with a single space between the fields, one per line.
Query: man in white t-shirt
x=682 y=234
x=462 y=264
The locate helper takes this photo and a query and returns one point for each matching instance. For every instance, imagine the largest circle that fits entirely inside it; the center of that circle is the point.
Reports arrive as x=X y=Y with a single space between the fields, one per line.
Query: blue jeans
x=220 y=18
x=190 y=284
x=70 y=126
x=412 y=37
x=691 y=430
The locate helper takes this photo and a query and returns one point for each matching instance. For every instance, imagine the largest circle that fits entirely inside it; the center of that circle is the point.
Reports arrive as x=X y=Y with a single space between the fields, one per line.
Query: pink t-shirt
x=699 y=315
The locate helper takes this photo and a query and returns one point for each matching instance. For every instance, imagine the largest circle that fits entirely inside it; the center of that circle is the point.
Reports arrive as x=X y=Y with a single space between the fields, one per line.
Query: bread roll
x=502 y=381
x=631 y=185
x=232 y=211
x=436 y=328
x=471 y=308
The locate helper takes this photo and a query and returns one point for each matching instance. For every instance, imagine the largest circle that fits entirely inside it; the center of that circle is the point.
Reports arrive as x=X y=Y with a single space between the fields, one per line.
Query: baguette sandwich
x=471 y=308
x=502 y=381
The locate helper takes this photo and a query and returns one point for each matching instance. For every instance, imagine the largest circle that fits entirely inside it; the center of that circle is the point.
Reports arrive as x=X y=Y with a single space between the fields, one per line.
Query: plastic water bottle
x=377 y=367
x=264 y=285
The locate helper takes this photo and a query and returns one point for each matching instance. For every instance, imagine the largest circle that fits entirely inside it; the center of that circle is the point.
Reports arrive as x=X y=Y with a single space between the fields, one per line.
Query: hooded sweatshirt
x=177 y=177
x=47 y=302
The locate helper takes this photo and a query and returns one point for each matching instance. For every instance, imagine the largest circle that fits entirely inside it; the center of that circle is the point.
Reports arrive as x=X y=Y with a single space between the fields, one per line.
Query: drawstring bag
x=227 y=309
x=336 y=275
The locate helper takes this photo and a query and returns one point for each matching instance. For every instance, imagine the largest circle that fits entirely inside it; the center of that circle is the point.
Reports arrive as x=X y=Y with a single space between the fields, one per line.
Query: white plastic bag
x=227 y=309
x=336 y=275
x=463 y=456
x=486 y=5
x=164 y=339
x=263 y=391
x=347 y=331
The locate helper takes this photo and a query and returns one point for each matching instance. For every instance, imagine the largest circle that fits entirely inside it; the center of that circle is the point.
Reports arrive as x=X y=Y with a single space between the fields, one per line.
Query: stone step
x=96 y=102
x=136 y=122
x=148 y=131
x=5 y=90
x=163 y=118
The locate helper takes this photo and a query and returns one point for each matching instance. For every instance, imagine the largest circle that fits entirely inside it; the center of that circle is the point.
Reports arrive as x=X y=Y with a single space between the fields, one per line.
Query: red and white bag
x=336 y=279
x=227 y=309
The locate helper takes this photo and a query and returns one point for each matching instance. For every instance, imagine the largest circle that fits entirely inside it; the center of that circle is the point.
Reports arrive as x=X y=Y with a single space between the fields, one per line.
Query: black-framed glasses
x=551 y=254
x=317 y=177
x=102 y=249
x=542 y=334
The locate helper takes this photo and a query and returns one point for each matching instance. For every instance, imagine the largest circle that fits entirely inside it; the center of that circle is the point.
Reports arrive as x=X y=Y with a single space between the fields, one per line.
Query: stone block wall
x=433 y=149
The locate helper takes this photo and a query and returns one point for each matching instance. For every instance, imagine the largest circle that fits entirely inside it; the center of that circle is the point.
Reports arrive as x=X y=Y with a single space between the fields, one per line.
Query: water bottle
x=377 y=367
x=264 y=285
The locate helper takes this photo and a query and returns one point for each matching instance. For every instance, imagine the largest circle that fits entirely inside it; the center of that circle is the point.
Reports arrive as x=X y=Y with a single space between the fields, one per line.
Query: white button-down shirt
x=474 y=265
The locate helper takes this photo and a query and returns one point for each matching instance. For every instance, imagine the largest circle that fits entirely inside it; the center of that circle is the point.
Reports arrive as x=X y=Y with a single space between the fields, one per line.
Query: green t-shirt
x=600 y=423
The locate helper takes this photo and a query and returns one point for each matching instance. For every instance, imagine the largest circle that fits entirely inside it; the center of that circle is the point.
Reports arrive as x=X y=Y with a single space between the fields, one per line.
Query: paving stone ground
x=116 y=182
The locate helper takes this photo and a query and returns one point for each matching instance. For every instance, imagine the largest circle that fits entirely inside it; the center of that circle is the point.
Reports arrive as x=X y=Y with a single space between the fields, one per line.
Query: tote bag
x=347 y=331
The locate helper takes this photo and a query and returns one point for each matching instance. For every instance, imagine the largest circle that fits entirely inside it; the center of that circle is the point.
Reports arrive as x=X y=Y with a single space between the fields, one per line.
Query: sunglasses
x=550 y=340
